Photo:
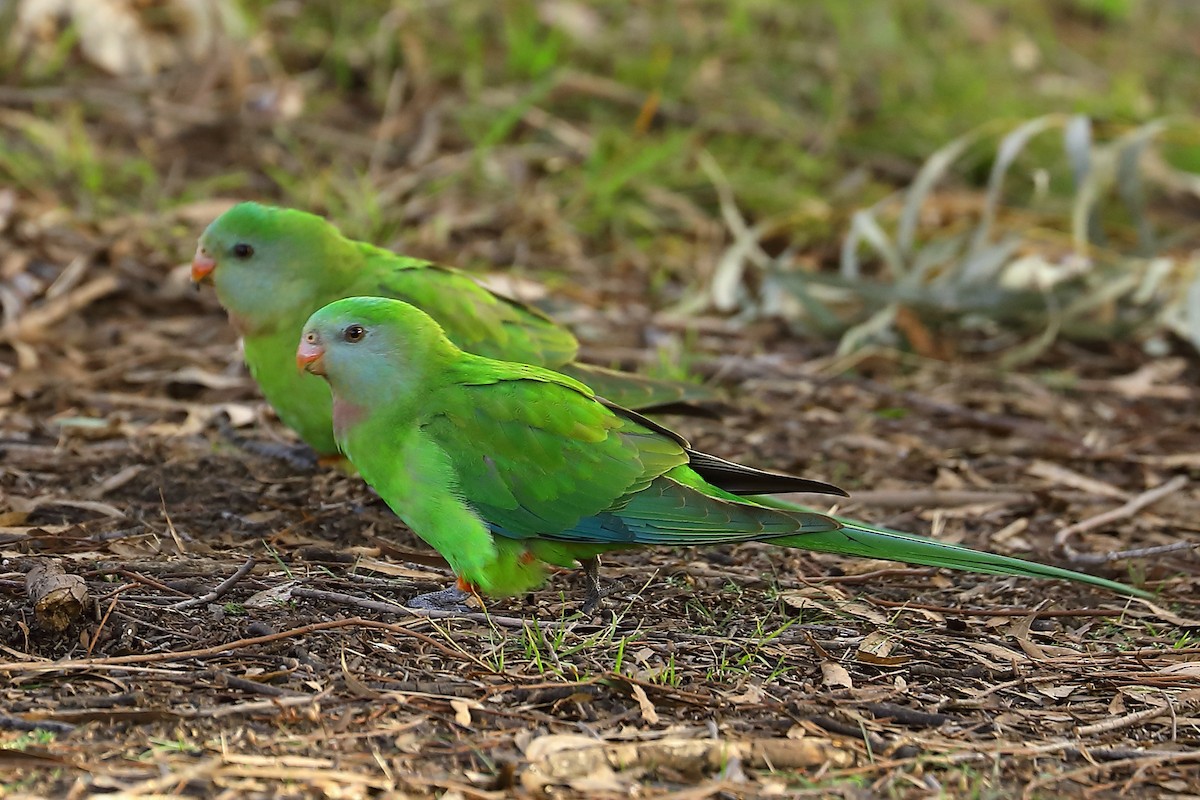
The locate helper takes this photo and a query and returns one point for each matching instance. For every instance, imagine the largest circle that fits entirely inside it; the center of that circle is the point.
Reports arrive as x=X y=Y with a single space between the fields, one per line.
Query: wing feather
x=535 y=453
x=474 y=318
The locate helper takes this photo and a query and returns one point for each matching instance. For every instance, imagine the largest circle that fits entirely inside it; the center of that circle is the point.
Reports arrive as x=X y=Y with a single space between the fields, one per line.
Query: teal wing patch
x=668 y=512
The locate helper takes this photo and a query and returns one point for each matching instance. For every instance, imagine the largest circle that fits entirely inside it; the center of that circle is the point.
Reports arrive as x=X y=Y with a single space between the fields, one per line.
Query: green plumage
x=503 y=466
x=275 y=267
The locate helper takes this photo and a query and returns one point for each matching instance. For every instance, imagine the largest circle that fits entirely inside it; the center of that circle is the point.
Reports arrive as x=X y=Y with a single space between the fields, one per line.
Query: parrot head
x=266 y=263
x=372 y=346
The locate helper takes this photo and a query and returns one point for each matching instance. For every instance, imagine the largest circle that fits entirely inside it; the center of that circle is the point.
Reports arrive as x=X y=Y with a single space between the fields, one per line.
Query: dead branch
x=393 y=608
x=208 y=652
x=221 y=589
x=1135 y=504
x=34 y=324
x=58 y=599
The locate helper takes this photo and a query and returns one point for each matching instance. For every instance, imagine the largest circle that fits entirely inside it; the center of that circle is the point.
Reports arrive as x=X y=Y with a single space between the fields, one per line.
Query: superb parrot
x=506 y=468
x=273 y=267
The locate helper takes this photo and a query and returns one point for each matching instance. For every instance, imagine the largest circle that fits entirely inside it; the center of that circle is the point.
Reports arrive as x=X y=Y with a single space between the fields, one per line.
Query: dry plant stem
x=1128 y=720
x=256 y=706
x=393 y=608
x=41 y=319
x=1000 y=612
x=207 y=652
x=222 y=589
x=1141 y=552
x=1031 y=790
x=1136 y=504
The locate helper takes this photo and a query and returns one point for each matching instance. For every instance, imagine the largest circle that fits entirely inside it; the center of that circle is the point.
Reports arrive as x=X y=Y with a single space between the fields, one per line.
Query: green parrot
x=507 y=468
x=273 y=267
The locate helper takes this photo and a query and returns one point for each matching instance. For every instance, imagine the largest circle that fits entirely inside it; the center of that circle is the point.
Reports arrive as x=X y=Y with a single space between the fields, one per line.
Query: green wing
x=679 y=508
x=473 y=317
x=533 y=451
x=487 y=324
x=650 y=395
x=536 y=456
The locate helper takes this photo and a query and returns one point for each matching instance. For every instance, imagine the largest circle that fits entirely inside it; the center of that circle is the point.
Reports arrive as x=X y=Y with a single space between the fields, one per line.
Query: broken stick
x=58 y=599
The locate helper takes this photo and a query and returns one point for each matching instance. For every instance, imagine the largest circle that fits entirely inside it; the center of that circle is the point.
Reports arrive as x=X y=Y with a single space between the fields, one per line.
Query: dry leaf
x=462 y=711
x=356 y=687
x=398 y=570
x=649 y=715
x=1057 y=692
x=875 y=648
x=272 y=597
x=835 y=676
x=752 y=695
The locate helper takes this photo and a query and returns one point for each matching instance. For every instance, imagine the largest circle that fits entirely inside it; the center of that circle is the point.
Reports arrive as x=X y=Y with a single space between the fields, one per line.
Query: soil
x=243 y=634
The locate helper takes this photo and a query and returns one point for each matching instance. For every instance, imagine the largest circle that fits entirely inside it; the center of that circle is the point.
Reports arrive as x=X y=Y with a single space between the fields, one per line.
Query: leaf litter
x=245 y=630
x=235 y=638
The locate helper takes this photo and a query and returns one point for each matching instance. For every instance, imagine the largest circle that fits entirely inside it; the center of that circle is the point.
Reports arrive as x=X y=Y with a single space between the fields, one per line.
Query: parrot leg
x=591 y=574
x=449 y=599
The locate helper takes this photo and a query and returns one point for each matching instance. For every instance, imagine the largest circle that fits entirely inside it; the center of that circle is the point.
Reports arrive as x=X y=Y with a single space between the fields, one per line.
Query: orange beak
x=309 y=355
x=202 y=266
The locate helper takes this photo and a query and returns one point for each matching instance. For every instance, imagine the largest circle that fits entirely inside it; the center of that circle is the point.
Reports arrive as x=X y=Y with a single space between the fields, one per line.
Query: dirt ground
x=243 y=637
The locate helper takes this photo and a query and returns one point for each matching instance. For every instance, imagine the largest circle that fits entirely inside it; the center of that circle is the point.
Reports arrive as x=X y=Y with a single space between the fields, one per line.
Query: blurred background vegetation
x=874 y=170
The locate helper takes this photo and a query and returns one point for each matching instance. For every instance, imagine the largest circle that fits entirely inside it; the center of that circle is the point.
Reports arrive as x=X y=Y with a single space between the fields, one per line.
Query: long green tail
x=858 y=538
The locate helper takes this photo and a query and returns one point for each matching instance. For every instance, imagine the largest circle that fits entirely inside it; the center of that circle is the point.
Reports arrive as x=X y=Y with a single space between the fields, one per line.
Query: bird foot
x=450 y=599
x=595 y=594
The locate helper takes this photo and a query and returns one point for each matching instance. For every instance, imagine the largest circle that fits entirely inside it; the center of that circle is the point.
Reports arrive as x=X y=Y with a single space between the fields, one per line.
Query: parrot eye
x=242 y=250
x=311 y=337
x=354 y=333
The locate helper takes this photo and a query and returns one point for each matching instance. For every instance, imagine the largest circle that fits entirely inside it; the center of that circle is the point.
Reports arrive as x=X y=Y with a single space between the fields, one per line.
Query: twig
x=42 y=319
x=1135 y=504
x=145 y=580
x=1141 y=552
x=929 y=498
x=104 y=620
x=1128 y=720
x=224 y=679
x=909 y=716
x=255 y=706
x=221 y=589
x=1032 y=788
x=208 y=652
x=8 y=723
x=392 y=608
x=1011 y=611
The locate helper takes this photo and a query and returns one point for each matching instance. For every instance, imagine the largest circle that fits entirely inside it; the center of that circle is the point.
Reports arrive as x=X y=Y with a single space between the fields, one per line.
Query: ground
x=119 y=457
x=244 y=633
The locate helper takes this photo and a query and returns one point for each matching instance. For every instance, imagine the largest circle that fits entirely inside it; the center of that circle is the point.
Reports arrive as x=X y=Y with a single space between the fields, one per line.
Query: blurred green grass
x=582 y=123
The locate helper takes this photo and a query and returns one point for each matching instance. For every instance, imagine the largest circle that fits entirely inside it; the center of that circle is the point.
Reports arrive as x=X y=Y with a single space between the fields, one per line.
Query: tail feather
x=860 y=539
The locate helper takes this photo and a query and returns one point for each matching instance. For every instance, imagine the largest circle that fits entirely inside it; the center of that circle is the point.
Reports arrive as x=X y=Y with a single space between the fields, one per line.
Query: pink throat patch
x=346 y=414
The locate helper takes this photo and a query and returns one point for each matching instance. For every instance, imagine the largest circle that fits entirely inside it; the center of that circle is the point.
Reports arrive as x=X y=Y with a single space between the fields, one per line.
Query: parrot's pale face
x=261 y=265
x=363 y=351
